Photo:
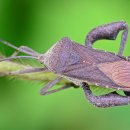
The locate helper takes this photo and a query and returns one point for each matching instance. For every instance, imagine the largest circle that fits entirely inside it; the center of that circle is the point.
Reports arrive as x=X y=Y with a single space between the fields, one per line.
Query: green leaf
x=98 y=90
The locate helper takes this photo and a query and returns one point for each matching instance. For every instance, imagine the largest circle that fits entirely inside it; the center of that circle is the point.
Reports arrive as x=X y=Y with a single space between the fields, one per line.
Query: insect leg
x=110 y=32
x=29 y=70
x=33 y=54
x=56 y=90
x=27 y=49
x=23 y=49
x=108 y=100
x=49 y=85
x=69 y=85
x=44 y=91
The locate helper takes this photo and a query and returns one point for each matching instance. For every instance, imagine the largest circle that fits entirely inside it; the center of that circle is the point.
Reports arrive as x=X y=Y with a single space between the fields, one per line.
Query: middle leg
x=45 y=90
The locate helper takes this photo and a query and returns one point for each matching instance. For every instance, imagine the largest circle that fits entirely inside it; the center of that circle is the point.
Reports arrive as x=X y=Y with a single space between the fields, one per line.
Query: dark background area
x=39 y=24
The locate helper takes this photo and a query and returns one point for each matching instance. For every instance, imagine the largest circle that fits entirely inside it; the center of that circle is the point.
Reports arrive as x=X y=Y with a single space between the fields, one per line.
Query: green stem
x=10 y=66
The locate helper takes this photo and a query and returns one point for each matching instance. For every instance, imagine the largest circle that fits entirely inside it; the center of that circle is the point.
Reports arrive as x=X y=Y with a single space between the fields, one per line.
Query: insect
x=85 y=66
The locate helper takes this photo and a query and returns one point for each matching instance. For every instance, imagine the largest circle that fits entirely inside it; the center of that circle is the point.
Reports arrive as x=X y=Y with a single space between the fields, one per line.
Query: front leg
x=23 y=49
x=110 y=32
x=108 y=100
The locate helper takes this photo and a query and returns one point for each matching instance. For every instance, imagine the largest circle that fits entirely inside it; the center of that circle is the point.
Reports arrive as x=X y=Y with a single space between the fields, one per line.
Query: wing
x=90 y=74
x=118 y=72
x=95 y=55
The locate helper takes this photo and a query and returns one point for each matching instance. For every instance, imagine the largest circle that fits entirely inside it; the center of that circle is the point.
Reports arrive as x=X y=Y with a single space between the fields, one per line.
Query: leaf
x=98 y=90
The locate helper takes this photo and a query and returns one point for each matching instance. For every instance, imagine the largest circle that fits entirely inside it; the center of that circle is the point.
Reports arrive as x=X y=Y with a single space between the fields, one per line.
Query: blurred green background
x=39 y=24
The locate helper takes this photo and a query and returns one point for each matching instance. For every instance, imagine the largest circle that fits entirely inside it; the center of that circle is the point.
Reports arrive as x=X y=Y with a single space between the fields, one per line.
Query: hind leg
x=108 y=100
x=110 y=32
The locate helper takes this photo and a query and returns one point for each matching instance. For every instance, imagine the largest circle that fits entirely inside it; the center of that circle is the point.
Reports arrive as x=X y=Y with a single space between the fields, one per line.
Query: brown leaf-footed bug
x=85 y=66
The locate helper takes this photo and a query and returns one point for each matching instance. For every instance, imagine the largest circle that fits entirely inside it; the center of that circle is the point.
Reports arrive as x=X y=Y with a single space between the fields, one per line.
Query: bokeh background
x=39 y=24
